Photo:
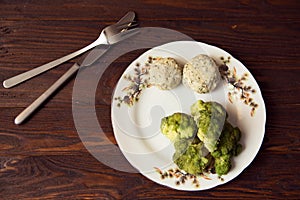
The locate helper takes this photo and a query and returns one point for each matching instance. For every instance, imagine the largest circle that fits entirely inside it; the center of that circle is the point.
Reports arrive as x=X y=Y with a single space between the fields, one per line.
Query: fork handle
x=38 y=70
x=41 y=99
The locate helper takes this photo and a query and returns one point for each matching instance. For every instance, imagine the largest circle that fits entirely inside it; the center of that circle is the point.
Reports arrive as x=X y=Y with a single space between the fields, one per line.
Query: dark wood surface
x=45 y=158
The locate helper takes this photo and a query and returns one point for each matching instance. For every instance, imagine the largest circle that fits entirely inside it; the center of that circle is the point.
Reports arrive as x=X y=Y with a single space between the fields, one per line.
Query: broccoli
x=182 y=145
x=210 y=118
x=203 y=142
x=222 y=164
x=178 y=126
x=227 y=147
x=189 y=156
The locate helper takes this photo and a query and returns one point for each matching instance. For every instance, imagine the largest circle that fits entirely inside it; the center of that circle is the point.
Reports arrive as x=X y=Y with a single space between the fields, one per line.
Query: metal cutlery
x=122 y=24
x=110 y=35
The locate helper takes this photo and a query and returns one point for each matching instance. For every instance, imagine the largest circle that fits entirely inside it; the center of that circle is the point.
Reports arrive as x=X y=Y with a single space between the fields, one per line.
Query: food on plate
x=206 y=144
x=201 y=74
x=210 y=118
x=228 y=146
x=190 y=156
x=178 y=126
x=164 y=73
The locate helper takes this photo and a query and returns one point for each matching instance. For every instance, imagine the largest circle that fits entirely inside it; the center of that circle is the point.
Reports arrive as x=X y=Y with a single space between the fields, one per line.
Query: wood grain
x=45 y=158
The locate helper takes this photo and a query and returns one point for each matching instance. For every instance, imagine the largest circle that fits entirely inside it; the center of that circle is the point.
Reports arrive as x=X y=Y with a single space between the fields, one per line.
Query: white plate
x=136 y=127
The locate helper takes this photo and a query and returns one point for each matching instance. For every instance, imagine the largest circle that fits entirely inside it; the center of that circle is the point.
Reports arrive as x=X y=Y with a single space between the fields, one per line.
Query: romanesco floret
x=210 y=118
x=178 y=126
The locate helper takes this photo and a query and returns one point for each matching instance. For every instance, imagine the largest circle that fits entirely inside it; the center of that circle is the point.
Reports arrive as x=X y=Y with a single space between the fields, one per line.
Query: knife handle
x=41 y=99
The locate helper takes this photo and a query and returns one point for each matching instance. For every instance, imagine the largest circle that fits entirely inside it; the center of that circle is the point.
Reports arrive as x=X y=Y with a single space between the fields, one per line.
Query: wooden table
x=45 y=158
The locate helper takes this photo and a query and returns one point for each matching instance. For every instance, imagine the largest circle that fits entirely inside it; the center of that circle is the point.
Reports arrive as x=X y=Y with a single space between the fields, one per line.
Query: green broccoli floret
x=210 y=118
x=227 y=147
x=229 y=141
x=182 y=145
x=222 y=164
x=178 y=126
x=190 y=157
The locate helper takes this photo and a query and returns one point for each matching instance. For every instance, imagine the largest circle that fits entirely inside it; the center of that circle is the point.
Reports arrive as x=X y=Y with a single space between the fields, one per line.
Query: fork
x=114 y=34
x=122 y=24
